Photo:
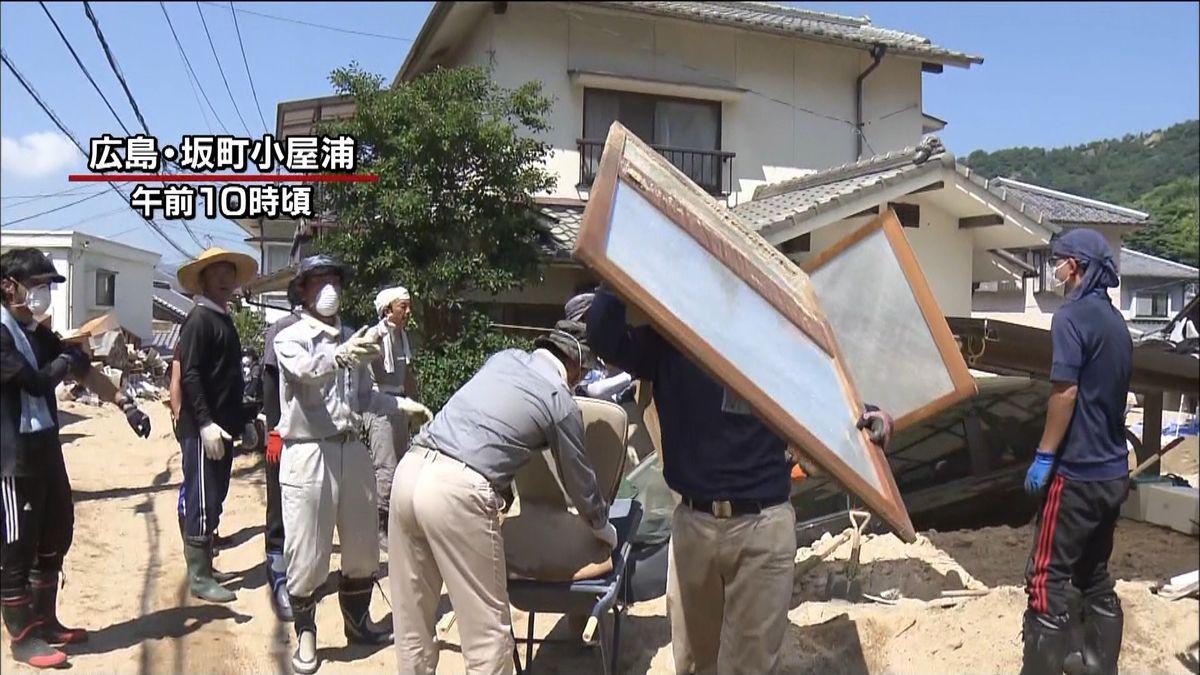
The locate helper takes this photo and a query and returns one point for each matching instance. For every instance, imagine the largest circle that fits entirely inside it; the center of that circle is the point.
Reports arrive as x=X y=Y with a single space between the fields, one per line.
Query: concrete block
x=1163 y=504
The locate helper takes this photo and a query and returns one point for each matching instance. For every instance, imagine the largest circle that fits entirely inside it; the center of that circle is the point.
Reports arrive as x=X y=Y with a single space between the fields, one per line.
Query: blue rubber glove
x=1039 y=472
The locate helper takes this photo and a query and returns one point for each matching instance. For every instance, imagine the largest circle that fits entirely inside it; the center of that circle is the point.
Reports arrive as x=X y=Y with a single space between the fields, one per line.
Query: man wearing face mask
x=325 y=474
x=393 y=374
x=36 y=510
x=209 y=354
x=1083 y=461
x=446 y=504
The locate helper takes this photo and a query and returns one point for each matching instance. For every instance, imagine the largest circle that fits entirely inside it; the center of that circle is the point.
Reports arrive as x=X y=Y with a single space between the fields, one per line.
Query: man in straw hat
x=388 y=435
x=446 y=504
x=274 y=534
x=325 y=472
x=211 y=411
x=37 y=517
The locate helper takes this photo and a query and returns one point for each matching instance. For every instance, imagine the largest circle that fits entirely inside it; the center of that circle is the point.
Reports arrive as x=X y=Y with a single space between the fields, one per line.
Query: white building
x=102 y=276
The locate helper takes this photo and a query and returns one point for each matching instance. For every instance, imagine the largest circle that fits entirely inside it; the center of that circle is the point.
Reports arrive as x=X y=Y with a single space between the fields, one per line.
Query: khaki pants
x=444 y=525
x=729 y=588
x=387 y=436
x=322 y=485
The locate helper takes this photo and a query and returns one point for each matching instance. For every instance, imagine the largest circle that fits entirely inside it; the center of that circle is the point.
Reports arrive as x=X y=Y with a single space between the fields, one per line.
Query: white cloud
x=38 y=154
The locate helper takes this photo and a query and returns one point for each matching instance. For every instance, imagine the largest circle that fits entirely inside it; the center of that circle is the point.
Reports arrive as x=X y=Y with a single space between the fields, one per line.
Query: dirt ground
x=125 y=582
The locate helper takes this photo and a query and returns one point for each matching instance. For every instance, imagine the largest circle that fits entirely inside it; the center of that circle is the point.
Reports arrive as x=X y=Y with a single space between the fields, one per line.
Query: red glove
x=274 y=446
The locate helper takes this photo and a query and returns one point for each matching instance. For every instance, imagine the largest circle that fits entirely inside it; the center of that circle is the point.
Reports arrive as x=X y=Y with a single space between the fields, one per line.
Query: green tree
x=250 y=327
x=1175 y=234
x=458 y=161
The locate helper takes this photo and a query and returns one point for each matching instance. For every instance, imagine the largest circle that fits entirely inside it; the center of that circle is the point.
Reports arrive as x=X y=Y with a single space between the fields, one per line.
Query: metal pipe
x=877 y=53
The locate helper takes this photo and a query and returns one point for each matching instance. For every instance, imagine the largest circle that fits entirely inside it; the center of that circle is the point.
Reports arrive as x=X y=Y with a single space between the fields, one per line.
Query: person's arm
x=16 y=371
x=190 y=352
x=176 y=389
x=609 y=386
x=634 y=350
x=1066 y=360
x=299 y=364
x=565 y=439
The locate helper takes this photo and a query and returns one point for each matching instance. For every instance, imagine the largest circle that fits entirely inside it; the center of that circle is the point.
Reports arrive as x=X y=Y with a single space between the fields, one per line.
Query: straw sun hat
x=189 y=273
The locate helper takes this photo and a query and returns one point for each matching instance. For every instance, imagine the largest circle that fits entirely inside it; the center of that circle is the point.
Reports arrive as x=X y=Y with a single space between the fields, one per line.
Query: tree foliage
x=458 y=161
x=1156 y=172
x=250 y=327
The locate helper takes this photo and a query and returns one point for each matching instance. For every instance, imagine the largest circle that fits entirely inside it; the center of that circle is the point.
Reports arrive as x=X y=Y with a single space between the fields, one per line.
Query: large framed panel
x=732 y=302
x=899 y=350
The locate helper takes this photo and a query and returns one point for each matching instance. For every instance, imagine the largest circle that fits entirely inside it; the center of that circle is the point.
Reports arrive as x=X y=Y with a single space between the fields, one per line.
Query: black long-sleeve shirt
x=26 y=454
x=210 y=359
x=713 y=446
x=271 y=370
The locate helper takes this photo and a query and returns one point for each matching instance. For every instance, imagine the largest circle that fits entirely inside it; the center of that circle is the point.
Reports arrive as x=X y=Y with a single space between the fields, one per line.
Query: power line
x=317 y=25
x=63 y=128
x=221 y=70
x=112 y=63
x=242 y=46
x=57 y=208
x=187 y=62
x=82 y=67
x=47 y=195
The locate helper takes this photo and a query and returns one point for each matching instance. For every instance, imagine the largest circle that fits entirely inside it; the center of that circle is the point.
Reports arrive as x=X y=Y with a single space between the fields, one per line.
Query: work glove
x=138 y=420
x=359 y=348
x=879 y=423
x=274 y=447
x=607 y=534
x=212 y=439
x=77 y=359
x=417 y=413
x=1039 y=472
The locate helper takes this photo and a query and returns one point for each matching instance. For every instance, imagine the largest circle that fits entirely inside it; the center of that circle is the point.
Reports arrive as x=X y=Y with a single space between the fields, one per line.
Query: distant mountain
x=1157 y=172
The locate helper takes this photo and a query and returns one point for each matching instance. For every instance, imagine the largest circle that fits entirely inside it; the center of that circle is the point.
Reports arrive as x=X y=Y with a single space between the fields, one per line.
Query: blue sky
x=1054 y=74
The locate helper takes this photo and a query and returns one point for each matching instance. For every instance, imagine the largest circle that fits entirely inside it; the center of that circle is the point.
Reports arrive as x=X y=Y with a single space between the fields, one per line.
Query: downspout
x=877 y=53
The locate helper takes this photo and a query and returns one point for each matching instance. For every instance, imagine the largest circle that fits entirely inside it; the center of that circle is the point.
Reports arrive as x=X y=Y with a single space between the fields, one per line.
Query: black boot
x=1103 y=625
x=354 y=595
x=304 y=612
x=281 y=602
x=1046 y=642
x=24 y=629
x=45 y=608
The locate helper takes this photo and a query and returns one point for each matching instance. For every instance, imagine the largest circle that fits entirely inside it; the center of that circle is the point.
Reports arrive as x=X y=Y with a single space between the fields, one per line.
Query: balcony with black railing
x=712 y=170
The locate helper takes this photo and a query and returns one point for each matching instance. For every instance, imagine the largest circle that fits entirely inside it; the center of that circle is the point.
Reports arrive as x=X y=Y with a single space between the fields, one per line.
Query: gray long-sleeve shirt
x=516 y=405
x=317 y=398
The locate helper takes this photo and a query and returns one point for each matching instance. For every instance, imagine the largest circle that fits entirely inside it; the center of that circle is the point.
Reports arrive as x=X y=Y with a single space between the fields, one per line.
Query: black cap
x=321 y=263
x=23 y=264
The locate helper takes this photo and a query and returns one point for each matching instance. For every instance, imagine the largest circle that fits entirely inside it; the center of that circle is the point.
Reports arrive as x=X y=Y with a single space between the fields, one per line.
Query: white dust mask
x=328 y=301
x=38 y=301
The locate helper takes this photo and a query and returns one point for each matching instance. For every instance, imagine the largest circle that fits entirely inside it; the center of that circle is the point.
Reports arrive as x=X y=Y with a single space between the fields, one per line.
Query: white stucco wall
x=797 y=117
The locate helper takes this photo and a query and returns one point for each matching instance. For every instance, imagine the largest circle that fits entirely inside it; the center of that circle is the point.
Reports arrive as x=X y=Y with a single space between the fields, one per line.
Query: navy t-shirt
x=1093 y=350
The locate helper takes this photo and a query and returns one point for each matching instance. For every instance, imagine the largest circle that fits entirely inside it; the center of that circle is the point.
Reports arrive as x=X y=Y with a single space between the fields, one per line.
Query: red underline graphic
x=221 y=178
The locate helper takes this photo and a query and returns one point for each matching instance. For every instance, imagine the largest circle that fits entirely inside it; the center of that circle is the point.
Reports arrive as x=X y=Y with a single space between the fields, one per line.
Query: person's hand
x=77 y=359
x=274 y=447
x=607 y=534
x=879 y=423
x=138 y=420
x=212 y=439
x=1039 y=472
x=417 y=413
x=359 y=348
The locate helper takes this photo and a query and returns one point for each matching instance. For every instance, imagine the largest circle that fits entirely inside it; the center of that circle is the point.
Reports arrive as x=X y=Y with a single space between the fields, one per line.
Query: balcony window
x=686 y=132
x=1150 y=304
x=277 y=258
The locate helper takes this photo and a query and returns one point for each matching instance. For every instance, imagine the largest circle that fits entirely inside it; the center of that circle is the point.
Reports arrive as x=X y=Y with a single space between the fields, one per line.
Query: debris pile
x=118 y=354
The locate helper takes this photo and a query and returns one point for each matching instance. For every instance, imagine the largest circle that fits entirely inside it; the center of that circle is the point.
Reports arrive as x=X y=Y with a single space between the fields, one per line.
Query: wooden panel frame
x=956 y=366
x=780 y=283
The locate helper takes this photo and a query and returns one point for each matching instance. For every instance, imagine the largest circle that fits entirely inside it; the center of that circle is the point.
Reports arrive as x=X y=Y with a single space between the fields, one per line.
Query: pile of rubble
x=119 y=354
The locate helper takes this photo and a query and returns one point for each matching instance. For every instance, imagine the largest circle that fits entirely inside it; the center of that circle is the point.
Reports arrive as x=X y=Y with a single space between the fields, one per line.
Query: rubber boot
x=197 y=551
x=219 y=577
x=281 y=602
x=304 y=659
x=1046 y=643
x=45 y=607
x=354 y=595
x=24 y=628
x=1073 y=664
x=1103 y=625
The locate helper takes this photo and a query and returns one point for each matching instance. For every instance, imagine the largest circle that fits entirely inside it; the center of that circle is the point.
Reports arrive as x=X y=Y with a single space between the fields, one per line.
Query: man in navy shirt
x=1083 y=460
x=733 y=540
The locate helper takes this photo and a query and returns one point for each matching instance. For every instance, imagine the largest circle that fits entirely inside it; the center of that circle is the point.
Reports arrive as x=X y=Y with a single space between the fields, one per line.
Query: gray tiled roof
x=175 y=303
x=1068 y=209
x=164 y=341
x=801 y=23
x=1138 y=264
x=562 y=223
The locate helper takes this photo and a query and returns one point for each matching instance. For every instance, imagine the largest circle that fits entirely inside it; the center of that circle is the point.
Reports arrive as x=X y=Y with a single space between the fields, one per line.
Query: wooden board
x=737 y=306
x=897 y=345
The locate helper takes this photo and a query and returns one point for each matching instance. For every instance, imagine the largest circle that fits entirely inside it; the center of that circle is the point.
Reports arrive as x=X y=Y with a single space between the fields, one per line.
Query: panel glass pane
x=733 y=318
x=882 y=334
